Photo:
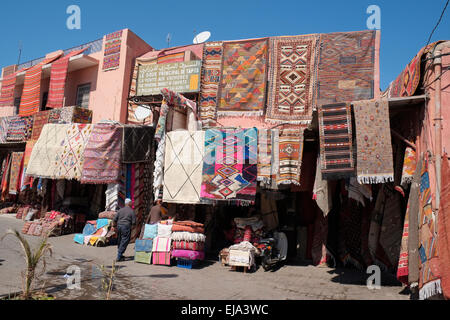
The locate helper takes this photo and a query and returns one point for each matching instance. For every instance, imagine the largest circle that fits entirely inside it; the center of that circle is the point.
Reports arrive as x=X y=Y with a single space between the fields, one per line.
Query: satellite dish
x=142 y=112
x=202 y=37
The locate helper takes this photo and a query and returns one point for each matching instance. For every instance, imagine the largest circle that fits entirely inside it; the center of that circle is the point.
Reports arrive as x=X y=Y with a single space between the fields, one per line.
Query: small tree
x=32 y=258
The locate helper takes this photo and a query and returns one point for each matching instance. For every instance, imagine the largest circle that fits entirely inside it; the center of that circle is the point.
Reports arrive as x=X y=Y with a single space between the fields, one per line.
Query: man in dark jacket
x=124 y=220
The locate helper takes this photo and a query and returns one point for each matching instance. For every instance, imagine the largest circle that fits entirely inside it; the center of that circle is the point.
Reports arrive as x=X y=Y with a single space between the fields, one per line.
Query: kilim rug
x=69 y=163
x=292 y=81
x=137 y=143
x=230 y=165
x=7 y=92
x=171 y=58
x=402 y=268
x=158 y=173
x=31 y=93
x=265 y=155
x=102 y=155
x=112 y=196
x=444 y=229
x=409 y=166
x=4 y=124
x=290 y=155
x=54 y=115
x=243 y=79
x=29 y=121
x=336 y=149
x=183 y=166
x=413 y=227
x=26 y=159
x=16 y=172
x=346 y=67
x=43 y=156
x=111 y=59
x=82 y=115
x=391 y=227
x=405 y=85
x=429 y=275
x=210 y=79
x=16 y=129
x=58 y=77
x=373 y=139
x=40 y=119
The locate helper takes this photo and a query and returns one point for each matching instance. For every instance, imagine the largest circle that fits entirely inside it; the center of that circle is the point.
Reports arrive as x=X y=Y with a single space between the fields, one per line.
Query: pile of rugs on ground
x=182 y=240
x=54 y=224
x=98 y=232
x=188 y=245
x=9 y=209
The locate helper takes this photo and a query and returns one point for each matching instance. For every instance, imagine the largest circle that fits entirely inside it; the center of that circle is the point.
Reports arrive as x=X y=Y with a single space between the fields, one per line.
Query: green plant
x=33 y=258
x=108 y=278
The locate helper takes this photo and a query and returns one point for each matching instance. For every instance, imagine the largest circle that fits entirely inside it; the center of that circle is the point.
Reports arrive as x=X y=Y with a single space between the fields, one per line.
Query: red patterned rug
x=243 y=80
x=292 y=79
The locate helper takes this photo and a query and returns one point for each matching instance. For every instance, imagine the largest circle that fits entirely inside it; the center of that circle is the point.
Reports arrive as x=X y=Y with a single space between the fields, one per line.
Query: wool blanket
x=7 y=91
x=230 y=165
x=292 y=90
x=243 y=78
x=111 y=53
x=209 y=82
x=373 y=139
x=162 y=244
x=102 y=155
x=336 y=148
x=183 y=166
x=188 y=254
x=137 y=143
x=188 y=236
x=429 y=273
x=346 y=66
x=16 y=172
x=444 y=229
x=70 y=162
x=186 y=228
x=188 y=245
x=290 y=155
x=58 y=76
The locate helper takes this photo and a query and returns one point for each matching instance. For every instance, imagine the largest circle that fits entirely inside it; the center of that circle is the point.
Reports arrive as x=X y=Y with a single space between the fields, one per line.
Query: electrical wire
x=439 y=21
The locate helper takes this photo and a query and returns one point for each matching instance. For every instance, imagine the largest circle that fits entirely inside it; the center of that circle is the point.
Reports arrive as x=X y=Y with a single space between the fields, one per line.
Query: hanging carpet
x=137 y=143
x=290 y=155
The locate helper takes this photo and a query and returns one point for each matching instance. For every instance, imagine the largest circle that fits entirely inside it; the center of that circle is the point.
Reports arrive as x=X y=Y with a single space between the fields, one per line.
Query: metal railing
x=93 y=46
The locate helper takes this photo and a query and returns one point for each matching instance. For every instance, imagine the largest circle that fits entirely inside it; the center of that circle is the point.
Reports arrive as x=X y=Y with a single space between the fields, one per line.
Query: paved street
x=212 y=281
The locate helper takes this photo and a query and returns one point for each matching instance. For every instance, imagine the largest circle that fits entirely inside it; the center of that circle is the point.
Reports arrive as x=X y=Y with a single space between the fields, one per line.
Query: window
x=83 y=95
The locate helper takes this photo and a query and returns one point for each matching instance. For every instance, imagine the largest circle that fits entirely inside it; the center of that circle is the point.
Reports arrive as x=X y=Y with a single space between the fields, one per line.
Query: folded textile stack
x=242 y=255
x=143 y=247
x=54 y=223
x=162 y=245
x=22 y=212
x=95 y=233
x=107 y=215
x=12 y=209
x=188 y=242
x=248 y=229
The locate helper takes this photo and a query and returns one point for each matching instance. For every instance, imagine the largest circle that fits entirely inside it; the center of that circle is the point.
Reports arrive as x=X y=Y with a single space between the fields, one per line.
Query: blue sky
x=41 y=25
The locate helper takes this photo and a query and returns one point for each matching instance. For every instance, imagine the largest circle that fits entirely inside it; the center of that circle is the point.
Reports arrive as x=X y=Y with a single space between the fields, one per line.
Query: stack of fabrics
x=188 y=240
x=95 y=233
x=242 y=255
x=143 y=247
x=248 y=229
x=162 y=244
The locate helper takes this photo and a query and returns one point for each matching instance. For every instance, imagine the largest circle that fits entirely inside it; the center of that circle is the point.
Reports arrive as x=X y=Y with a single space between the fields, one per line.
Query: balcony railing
x=93 y=46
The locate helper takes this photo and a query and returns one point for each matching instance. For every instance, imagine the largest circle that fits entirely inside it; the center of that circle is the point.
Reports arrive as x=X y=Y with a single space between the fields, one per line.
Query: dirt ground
x=210 y=281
